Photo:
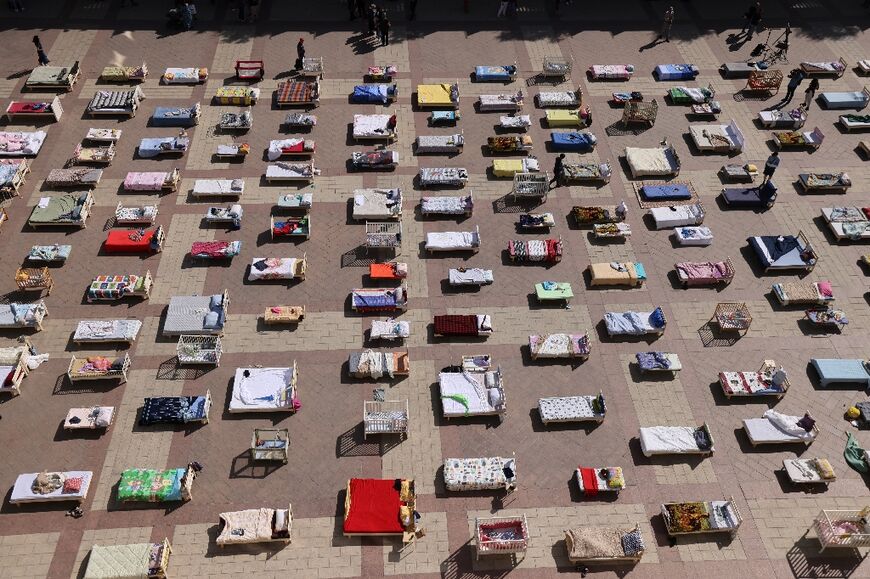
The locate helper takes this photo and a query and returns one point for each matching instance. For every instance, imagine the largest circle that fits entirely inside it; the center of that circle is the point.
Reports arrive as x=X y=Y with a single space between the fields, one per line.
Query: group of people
x=376 y=17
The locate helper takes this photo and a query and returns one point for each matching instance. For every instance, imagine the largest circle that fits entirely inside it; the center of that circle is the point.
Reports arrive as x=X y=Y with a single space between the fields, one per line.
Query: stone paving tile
x=424 y=556
x=318 y=331
x=107 y=537
x=396 y=52
x=513 y=325
x=315 y=551
x=235 y=43
x=176 y=274
x=73 y=44
x=28 y=555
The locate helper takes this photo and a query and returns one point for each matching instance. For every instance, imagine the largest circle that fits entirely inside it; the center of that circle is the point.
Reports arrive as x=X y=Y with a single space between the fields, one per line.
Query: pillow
x=73 y=486
x=217 y=301
x=632 y=543
x=489 y=379
x=211 y=320
x=495 y=397
x=280 y=520
x=76 y=213
x=405 y=516
x=657 y=318
x=826 y=471
x=807 y=423
x=82 y=199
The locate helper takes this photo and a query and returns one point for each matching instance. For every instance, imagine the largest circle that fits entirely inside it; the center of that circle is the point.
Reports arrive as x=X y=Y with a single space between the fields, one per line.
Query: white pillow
x=495 y=399
x=489 y=379
x=280 y=520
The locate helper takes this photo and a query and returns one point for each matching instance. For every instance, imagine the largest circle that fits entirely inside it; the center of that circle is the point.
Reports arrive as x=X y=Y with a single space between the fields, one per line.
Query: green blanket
x=152 y=486
x=854 y=455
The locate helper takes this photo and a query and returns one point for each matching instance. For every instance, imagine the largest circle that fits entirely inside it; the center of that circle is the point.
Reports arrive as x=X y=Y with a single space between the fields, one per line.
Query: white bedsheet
x=101 y=330
x=472 y=385
x=371 y=126
x=21 y=492
x=275 y=147
x=654 y=161
x=452 y=240
x=560 y=98
x=374 y=203
x=677 y=215
x=289 y=171
x=668 y=439
x=471 y=276
x=390 y=329
x=284 y=269
x=443 y=205
x=219 y=186
x=262 y=389
x=20 y=143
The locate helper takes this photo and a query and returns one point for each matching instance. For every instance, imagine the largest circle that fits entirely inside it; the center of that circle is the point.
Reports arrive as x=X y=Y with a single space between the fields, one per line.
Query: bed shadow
x=172 y=370
x=63 y=435
x=806 y=561
x=359 y=256
x=620 y=129
x=539 y=426
x=506 y=204
x=526 y=354
x=351 y=443
x=746 y=446
x=243 y=466
x=712 y=337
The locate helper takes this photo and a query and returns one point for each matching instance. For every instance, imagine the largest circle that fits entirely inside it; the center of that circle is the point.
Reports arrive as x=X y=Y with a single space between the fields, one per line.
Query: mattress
x=297 y=92
x=373 y=507
x=215 y=249
x=106 y=330
x=120 y=561
x=484 y=73
x=19 y=144
x=668 y=440
x=372 y=364
x=841 y=370
x=559 y=345
x=377 y=203
x=145 y=181
x=448 y=240
x=292 y=146
x=115 y=287
x=372 y=126
x=437 y=94
x=152 y=147
x=277 y=268
x=676 y=71
x=666 y=192
x=562 y=117
x=655 y=161
x=49 y=252
x=173 y=410
x=73 y=176
x=475 y=474
x=185 y=75
x=375 y=159
x=777 y=119
x=455 y=176
x=466 y=394
x=22 y=493
x=255 y=526
x=558 y=99
x=290 y=171
x=844 y=100
x=219 y=186
x=612 y=71
x=470 y=276
x=121 y=101
x=500 y=102
x=594 y=543
x=573 y=141
x=603 y=273
x=237 y=95
x=568 y=408
x=632 y=323
x=188 y=314
x=176 y=116
x=151 y=485
x=750 y=196
x=16 y=314
x=390 y=329
x=264 y=389
x=130 y=241
x=789 y=259
x=445 y=205
x=652 y=361
x=677 y=215
x=375 y=299
x=714 y=137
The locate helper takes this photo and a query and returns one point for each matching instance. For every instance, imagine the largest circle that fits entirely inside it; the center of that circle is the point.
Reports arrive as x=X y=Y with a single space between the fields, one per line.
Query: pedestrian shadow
x=362 y=43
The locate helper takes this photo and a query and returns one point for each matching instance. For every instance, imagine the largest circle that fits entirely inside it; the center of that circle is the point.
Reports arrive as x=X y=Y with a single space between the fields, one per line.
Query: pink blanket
x=148 y=181
x=703 y=270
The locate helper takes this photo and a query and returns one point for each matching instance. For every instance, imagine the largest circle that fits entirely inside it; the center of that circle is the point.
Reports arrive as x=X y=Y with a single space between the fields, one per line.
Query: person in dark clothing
x=770 y=168
x=351 y=8
x=558 y=170
x=385 y=31
x=412 y=10
x=40 y=53
x=300 y=53
x=373 y=18
x=797 y=76
x=753 y=20
x=811 y=93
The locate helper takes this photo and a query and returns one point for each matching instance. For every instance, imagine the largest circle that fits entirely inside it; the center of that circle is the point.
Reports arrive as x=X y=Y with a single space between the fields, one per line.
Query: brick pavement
x=442 y=45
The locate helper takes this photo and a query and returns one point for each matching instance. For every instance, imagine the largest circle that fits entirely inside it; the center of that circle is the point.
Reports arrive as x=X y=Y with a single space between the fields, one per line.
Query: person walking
x=667 y=22
x=797 y=76
x=558 y=170
x=811 y=93
x=502 y=9
x=373 y=15
x=412 y=9
x=512 y=8
x=300 y=53
x=770 y=168
x=40 y=53
x=385 y=31
x=753 y=20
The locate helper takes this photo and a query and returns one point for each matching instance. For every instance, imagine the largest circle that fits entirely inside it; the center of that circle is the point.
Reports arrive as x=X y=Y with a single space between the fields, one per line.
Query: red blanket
x=128 y=241
x=454 y=325
x=374 y=507
x=29 y=107
x=295 y=92
x=209 y=248
x=590 y=481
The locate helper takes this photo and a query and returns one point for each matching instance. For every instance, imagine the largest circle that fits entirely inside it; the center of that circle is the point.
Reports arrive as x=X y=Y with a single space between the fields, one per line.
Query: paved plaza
x=441 y=45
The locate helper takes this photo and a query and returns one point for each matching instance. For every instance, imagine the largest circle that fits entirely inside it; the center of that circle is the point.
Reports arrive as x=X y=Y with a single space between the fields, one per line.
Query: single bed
x=658 y=362
x=74 y=177
x=534 y=186
x=803 y=293
x=572 y=408
x=97 y=154
x=188 y=75
x=514 y=122
x=798 y=139
x=377 y=204
x=143 y=560
x=463 y=325
x=560 y=345
x=389 y=329
x=243 y=96
x=656 y=440
x=148 y=485
x=556 y=67
x=702 y=517
x=134 y=241
x=12 y=175
x=500 y=536
x=374 y=160
x=809 y=470
x=438 y=95
x=705 y=273
x=589 y=214
x=676 y=72
x=453 y=241
x=379 y=299
x=115 y=102
x=98 y=368
x=53 y=77
x=435 y=144
x=447 y=205
x=175 y=410
x=767 y=381
x=608 y=545
x=50 y=487
x=374 y=127
x=512 y=167
x=495 y=73
x=501 y=102
x=116 y=73
x=535 y=250
x=472 y=393
x=784 y=252
x=371 y=364
x=176 y=116
x=779 y=119
x=473 y=276
x=684 y=95
x=54 y=253
x=443 y=176
x=297 y=93
x=633 y=323
x=573 y=141
x=300 y=121
x=89 y=418
x=509 y=144
x=834 y=68
x=677 y=215
x=21 y=143
x=272 y=268
x=383 y=235
x=617 y=273
x=570 y=98
x=231 y=214
x=847 y=222
x=218 y=188
x=289 y=227
x=379 y=507
x=18 y=315
x=152 y=147
x=391 y=271
x=382 y=72
x=103 y=135
x=263 y=525
x=763 y=81
x=68 y=209
x=652 y=162
x=845 y=100
x=250 y=70
x=837 y=370
x=824 y=182
x=101 y=331
x=35 y=110
x=550 y=291
x=196 y=315
x=718 y=138
x=656 y=193
x=761 y=197
x=151 y=181
x=286 y=147
x=776 y=428
x=116 y=287
x=697 y=236
x=241 y=121
x=533 y=221
x=374 y=93
x=215 y=249
x=591 y=481
x=581 y=117
x=853 y=122
x=480 y=474
x=611 y=71
x=264 y=390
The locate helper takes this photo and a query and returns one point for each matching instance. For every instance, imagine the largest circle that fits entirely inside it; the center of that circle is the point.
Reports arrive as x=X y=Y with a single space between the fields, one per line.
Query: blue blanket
x=750 y=196
x=175 y=116
x=670 y=192
x=499 y=73
x=572 y=141
x=676 y=71
x=371 y=93
x=374 y=301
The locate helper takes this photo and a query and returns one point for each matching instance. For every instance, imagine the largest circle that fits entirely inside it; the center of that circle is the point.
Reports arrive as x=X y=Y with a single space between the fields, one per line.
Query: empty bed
x=836 y=370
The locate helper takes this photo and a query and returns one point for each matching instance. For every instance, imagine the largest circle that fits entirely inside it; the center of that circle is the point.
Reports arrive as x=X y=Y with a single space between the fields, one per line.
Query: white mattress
x=275 y=147
x=656 y=161
x=472 y=386
x=21 y=492
x=564 y=408
x=371 y=126
x=431 y=175
x=284 y=270
x=676 y=215
x=372 y=203
x=443 y=205
x=628 y=323
x=102 y=330
x=252 y=394
x=289 y=171
x=668 y=439
x=390 y=329
x=219 y=186
x=498 y=102
x=440 y=143
x=187 y=314
x=471 y=276
x=766 y=430
x=694 y=235
x=447 y=240
x=517 y=121
x=561 y=98
x=182 y=76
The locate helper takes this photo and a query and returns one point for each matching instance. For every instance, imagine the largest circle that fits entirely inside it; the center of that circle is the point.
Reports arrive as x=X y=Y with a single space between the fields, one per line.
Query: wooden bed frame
x=602 y=560
x=55 y=110
x=288 y=539
x=412 y=504
x=731 y=531
x=111 y=375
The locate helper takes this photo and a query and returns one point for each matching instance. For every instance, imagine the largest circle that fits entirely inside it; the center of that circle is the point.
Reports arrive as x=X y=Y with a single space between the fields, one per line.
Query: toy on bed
x=784 y=252
x=776 y=428
x=684 y=95
x=117 y=287
x=556 y=67
x=610 y=71
x=779 y=119
x=189 y=75
x=250 y=70
x=35 y=109
x=573 y=141
x=798 y=139
x=705 y=273
x=732 y=317
x=587 y=215
x=636 y=111
x=98 y=368
x=633 y=323
x=215 y=249
x=176 y=116
x=297 y=93
x=134 y=241
x=495 y=73
x=609 y=545
x=702 y=517
x=562 y=345
x=154 y=147
x=834 y=68
x=761 y=197
x=377 y=160
x=236 y=121
x=124 y=73
x=535 y=250
x=675 y=72
x=53 y=77
x=382 y=73
x=767 y=381
x=718 y=138
x=374 y=93
x=438 y=95
x=510 y=143
x=501 y=102
x=617 y=273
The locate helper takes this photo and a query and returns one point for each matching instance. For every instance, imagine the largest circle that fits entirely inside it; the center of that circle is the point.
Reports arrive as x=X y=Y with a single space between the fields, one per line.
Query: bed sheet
x=437 y=94
x=372 y=126
x=484 y=72
x=474 y=474
x=668 y=439
x=374 y=507
x=189 y=314
x=262 y=389
x=21 y=490
x=276 y=268
x=443 y=175
x=612 y=71
x=474 y=275
x=565 y=408
x=558 y=99
x=129 y=241
x=445 y=205
x=466 y=394
x=19 y=144
x=145 y=181
x=559 y=345
x=74 y=176
x=296 y=92
x=654 y=161
x=632 y=323
x=449 y=240
x=150 y=485
x=255 y=524
x=100 y=330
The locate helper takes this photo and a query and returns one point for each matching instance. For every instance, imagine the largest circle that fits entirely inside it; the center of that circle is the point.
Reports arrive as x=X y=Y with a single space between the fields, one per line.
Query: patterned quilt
x=152 y=486
x=472 y=474
x=296 y=92
x=112 y=287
